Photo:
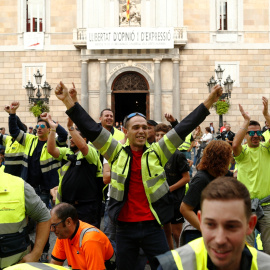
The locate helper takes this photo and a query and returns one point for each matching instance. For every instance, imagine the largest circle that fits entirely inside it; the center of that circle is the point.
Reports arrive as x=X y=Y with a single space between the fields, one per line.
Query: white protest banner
x=33 y=41
x=130 y=38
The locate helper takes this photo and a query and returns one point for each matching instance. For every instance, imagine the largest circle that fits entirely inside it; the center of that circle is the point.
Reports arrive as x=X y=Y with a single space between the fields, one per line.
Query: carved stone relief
x=130 y=81
x=134 y=13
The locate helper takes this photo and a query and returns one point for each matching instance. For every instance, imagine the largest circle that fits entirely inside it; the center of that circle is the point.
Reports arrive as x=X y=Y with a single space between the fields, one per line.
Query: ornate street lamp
x=228 y=86
x=212 y=82
x=219 y=71
x=30 y=89
x=46 y=90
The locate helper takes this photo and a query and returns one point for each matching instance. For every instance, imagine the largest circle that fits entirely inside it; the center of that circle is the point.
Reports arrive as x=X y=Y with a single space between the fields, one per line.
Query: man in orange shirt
x=83 y=245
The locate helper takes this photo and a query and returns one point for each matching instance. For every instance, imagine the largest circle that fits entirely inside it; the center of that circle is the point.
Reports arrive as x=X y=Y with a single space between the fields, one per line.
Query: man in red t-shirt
x=223 y=127
x=84 y=250
x=140 y=201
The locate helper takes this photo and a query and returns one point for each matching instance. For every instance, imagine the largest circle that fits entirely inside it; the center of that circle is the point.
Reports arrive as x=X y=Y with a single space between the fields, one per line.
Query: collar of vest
x=246 y=260
x=146 y=146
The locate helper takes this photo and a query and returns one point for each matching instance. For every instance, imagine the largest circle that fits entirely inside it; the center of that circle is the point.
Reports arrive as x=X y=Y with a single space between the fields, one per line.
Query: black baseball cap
x=152 y=122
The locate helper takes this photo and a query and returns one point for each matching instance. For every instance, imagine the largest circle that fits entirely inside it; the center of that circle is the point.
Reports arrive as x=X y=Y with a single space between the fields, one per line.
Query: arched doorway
x=130 y=94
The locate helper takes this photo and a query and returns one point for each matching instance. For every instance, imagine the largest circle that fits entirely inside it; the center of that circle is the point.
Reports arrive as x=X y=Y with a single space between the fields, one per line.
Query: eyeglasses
x=252 y=133
x=42 y=126
x=134 y=114
x=53 y=226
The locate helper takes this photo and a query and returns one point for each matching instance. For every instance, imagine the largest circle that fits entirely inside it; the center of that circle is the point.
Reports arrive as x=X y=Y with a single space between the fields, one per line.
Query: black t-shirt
x=227 y=134
x=174 y=168
x=196 y=186
x=35 y=177
x=80 y=182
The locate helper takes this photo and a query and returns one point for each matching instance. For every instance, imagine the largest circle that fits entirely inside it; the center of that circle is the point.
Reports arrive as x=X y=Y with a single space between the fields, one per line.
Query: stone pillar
x=157 y=91
x=102 y=85
x=84 y=85
x=176 y=89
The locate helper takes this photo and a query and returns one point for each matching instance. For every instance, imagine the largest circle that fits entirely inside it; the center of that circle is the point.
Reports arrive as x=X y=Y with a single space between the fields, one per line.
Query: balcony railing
x=79 y=36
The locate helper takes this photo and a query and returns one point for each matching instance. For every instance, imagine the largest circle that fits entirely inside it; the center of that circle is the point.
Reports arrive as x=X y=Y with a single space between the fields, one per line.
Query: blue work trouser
x=45 y=197
x=109 y=227
x=131 y=236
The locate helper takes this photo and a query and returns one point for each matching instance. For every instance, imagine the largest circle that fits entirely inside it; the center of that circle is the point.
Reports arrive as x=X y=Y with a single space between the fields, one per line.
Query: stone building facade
x=52 y=36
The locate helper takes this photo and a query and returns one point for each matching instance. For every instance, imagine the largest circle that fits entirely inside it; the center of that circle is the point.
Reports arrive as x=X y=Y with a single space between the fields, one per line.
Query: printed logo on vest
x=7 y=209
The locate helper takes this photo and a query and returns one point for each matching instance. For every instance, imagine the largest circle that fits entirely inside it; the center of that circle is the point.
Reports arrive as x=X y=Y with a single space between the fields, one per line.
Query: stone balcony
x=79 y=37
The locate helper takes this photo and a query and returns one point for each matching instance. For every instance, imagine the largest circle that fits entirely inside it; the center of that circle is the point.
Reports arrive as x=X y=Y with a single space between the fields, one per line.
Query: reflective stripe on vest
x=194 y=256
x=61 y=172
x=170 y=141
x=30 y=266
x=102 y=138
x=84 y=231
x=47 y=162
x=186 y=144
x=117 y=186
x=177 y=259
x=20 y=136
x=12 y=204
x=58 y=197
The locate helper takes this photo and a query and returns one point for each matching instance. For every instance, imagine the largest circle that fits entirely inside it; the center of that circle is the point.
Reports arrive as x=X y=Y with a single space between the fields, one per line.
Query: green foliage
x=222 y=106
x=38 y=108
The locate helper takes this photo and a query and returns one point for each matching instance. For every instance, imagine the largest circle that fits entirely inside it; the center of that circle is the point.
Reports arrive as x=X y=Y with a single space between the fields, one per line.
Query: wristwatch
x=71 y=128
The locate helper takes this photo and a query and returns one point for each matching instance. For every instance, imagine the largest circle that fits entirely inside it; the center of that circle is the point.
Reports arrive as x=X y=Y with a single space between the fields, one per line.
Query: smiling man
x=253 y=161
x=140 y=201
x=225 y=221
x=106 y=120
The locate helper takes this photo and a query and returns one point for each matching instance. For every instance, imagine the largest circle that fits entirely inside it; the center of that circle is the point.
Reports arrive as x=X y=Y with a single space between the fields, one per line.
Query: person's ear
x=251 y=224
x=199 y=214
x=125 y=131
x=68 y=221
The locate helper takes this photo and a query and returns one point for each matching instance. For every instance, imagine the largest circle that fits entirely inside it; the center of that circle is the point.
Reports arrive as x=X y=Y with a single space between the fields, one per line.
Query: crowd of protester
x=138 y=176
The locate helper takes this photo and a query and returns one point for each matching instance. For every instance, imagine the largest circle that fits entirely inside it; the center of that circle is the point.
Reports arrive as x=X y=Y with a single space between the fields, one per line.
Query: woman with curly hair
x=214 y=163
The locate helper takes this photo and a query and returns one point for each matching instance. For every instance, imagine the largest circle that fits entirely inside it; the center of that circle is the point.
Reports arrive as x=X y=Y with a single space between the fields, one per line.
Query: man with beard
x=253 y=167
x=78 y=178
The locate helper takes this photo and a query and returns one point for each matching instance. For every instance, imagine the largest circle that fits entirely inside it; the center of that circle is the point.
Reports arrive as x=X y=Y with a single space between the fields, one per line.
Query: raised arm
x=265 y=110
x=240 y=135
x=51 y=145
x=197 y=116
x=77 y=138
x=78 y=115
x=13 y=125
x=169 y=117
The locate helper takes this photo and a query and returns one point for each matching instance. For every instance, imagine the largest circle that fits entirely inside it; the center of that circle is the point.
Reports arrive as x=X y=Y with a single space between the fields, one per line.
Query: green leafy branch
x=222 y=106
x=38 y=108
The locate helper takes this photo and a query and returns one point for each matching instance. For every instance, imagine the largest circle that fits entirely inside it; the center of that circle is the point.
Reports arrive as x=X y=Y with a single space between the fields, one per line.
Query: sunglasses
x=42 y=126
x=134 y=114
x=252 y=133
x=53 y=226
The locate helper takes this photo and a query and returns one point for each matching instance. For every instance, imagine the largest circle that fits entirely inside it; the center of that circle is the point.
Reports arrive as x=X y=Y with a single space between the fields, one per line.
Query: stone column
x=102 y=85
x=157 y=91
x=84 y=85
x=176 y=89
